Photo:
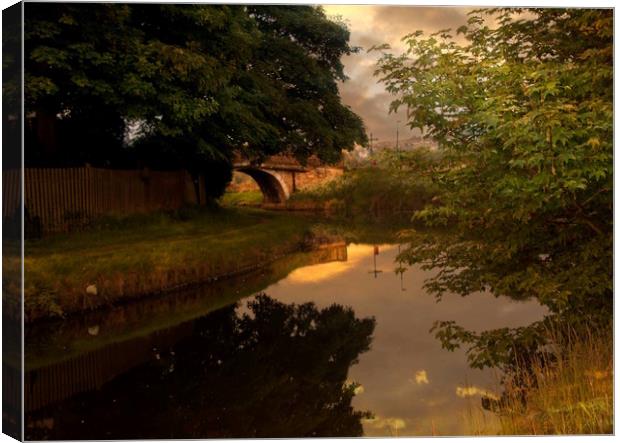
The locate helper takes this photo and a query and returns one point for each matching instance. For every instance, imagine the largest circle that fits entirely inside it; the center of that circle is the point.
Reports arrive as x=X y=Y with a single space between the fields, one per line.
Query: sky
x=374 y=25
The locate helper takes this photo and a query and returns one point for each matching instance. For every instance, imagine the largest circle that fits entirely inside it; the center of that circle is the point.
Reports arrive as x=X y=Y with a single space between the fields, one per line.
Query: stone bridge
x=281 y=175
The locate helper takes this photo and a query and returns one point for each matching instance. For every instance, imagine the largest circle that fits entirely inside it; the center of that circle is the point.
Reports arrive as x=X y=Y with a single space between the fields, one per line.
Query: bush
x=388 y=187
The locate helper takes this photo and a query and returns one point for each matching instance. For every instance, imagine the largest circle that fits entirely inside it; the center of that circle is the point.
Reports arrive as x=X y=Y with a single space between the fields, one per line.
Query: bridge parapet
x=279 y=161
x=279 y=176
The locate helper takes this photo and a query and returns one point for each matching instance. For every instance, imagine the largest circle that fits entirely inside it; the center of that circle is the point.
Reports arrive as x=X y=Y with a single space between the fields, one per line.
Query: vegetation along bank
x=122 y=259
x=524 y=197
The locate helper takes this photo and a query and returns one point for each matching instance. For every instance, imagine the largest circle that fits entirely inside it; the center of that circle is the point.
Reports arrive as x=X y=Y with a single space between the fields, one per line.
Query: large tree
x=522 y=111
x=188 y=83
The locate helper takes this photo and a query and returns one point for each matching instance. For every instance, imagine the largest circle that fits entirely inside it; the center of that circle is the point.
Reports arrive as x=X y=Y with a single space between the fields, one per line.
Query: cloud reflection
x=471 y=391
x=326 y=271
x=402 y=344
x=391 y=425
x=357 y=390
x=421 y=377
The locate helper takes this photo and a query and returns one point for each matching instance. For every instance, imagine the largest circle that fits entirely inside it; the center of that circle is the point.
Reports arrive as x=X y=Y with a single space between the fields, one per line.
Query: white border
x=540 y=3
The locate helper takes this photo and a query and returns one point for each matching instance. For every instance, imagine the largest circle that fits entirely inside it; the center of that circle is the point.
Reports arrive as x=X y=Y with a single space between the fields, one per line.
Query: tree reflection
x=278 y=370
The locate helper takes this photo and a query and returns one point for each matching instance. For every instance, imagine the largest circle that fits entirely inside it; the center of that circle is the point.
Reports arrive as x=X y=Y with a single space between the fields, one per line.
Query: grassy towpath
x=140 y=255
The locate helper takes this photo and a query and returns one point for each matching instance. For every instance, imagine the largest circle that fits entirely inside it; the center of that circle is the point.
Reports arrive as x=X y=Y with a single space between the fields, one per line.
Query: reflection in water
x=196 y=366
x=11 y=376
x=405 y=355
x=472 y=391
x=56 y=341
x=375 y=252
x=421 y=377
x=278 y=370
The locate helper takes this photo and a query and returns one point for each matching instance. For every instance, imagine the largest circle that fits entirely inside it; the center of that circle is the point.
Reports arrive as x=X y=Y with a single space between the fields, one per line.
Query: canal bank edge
x=64 y=277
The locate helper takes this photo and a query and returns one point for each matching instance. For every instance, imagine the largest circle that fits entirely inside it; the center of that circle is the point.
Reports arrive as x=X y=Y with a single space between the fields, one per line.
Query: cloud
x=402 y=20
x=374 y=109
x=374 y=25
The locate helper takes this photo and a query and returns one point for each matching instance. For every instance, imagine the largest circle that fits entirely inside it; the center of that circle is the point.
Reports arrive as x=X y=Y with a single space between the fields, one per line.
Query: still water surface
x=336 y=344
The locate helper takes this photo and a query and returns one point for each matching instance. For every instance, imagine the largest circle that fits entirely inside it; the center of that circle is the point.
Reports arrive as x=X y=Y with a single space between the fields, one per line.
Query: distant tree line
x=183 y=86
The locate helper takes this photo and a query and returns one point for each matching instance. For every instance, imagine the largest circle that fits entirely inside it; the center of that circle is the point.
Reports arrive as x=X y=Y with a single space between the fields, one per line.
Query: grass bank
x=131 y=257
x=46 y=341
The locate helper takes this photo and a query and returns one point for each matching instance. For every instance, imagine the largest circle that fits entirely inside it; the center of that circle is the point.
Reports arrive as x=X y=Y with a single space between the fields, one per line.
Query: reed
x=569 y=390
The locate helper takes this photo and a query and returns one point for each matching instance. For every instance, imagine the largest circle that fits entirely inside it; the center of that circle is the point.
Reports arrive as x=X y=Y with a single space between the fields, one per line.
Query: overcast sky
x=372 y=25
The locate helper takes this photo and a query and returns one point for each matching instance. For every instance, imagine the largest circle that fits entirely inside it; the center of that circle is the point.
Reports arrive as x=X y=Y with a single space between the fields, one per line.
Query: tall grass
x=569 y=390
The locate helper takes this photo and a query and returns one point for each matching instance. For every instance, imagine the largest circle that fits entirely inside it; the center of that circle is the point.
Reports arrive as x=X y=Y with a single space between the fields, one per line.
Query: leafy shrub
x=388 y=187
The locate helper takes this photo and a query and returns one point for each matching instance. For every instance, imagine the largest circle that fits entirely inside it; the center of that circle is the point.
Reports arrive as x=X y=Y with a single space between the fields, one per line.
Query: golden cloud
x=471 y=391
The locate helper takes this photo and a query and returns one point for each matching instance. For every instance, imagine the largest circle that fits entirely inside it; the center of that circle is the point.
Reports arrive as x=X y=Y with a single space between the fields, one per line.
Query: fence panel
x=63 y=200
x=10 y=194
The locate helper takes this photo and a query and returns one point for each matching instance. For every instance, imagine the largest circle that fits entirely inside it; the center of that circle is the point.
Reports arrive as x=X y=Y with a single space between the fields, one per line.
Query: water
x=358 y=360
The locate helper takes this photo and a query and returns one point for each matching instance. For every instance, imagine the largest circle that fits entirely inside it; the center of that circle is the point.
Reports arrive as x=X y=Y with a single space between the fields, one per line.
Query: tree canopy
x=186 y=83
x=523 y=114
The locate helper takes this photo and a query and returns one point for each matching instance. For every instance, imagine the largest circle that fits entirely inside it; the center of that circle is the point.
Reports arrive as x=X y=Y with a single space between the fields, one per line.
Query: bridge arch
x=272 y=185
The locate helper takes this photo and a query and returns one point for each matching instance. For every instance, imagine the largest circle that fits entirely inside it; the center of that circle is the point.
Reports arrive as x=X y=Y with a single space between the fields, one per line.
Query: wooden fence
x=11 y=186
x=63 y=200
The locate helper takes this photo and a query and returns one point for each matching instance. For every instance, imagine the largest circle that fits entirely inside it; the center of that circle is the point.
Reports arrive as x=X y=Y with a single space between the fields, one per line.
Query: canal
x=325 y=343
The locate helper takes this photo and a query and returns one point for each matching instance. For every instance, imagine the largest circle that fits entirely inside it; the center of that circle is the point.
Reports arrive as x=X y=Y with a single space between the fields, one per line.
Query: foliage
x=185 y=85
x=387 y=187
x=522 y=112
x=291 y=86
x=11 y=88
